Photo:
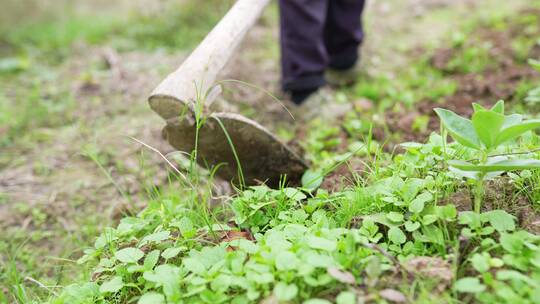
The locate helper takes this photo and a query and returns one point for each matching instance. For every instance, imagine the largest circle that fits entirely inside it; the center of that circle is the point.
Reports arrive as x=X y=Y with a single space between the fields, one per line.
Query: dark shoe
x=321 y=104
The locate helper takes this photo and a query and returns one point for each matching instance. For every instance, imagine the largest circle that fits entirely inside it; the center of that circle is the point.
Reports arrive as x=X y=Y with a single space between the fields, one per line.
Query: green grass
x=409 y=87
x=33 y=95
x=182 y=27
x=33 y=106
x=174 y=27
x=59 y=35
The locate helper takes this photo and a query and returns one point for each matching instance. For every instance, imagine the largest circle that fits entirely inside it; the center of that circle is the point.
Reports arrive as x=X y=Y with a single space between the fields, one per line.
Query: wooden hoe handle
x=199 y=71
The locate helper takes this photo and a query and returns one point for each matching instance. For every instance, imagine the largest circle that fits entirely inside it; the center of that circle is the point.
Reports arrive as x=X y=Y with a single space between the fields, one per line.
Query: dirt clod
x=393 y=295
x=433 y=268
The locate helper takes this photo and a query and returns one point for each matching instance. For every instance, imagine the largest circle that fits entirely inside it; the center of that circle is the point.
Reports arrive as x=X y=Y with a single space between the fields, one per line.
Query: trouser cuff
x=343 y=61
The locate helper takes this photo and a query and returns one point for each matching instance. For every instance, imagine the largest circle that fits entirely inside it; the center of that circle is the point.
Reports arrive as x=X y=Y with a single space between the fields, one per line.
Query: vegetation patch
x=426 y=191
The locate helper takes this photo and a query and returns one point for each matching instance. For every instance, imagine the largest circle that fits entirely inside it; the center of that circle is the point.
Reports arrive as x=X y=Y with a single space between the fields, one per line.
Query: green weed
x=33 y=106
x=485 y=132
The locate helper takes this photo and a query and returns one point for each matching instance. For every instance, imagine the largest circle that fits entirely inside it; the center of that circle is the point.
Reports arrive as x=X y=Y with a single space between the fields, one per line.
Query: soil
x=501 y=194
x=343 y=176
x=498 y=81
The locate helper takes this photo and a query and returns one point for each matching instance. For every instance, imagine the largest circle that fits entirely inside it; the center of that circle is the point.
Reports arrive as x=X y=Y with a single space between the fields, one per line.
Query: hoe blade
x=262 y=157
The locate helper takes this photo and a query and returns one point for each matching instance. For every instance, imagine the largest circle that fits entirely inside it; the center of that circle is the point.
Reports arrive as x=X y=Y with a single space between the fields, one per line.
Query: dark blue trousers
x=315 y=35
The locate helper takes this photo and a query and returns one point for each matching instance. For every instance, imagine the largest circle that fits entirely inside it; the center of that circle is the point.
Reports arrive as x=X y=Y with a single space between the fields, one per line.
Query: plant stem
x=479 y=188
x=479 y=193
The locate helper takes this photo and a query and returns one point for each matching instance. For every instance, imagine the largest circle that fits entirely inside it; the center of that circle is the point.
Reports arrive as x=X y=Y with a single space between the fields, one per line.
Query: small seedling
x=484 y=133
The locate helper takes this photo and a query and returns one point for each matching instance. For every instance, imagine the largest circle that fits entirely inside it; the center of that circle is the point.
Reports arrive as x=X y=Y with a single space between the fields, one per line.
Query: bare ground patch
x=499 y=80
x=56 y=198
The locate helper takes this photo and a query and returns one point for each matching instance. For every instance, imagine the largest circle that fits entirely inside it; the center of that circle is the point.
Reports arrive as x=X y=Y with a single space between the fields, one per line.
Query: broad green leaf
x=129 y=255
x=478 y=107
x=417 y=204
x=155 y=238
x=194 y=265
x=516 y=130
x=469 y=218
x=312 y=179
x=432 y=234
x=396 y=236
x=210 y=256
x=498 y=107
x=151 y=298
x=480 y=262
x=113 y=285
x=411 y=145
x=513 y=275
x=346 y=297
x=222 y=282
x=107 y=237
x=135 y=268
x=286 y=260
x=467 y=174
x=535 y=260
x=81 y=292
x=395 y=216
x=504 y=165
x=469 y=285
x=170 y=253
x=511 y=120
x=535 y=64
x=185 y=225
x=461 y=129
x=475 y=175
x=382 y=218
x=106 y=263
x=13 y=64
x=169 y=277
x=411 y=188
x=245 y=245
x=487 y=125
x=496 y=262
x=373 y=267
x=163 y=274
x=447 y=212
x=285 y=292
x=411 y=226
x=294 y=194
x=429 y=219
x=151 y=260
x=209 y=296
x=321 y=243
x=512 y=242
x=318 y=260
x=500 y=220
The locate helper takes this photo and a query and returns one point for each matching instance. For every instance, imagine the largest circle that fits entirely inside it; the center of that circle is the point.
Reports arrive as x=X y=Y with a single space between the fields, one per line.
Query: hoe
x=245 y=151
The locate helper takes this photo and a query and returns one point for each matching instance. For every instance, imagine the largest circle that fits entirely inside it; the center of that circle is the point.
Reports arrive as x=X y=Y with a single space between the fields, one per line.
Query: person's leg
x=303 y=53
x=343 y=32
